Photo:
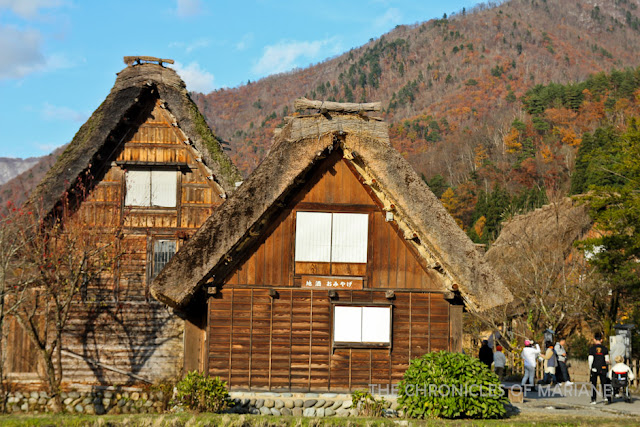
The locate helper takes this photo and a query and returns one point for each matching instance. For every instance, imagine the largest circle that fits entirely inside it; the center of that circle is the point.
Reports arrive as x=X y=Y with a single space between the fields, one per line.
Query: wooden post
x=345 y=107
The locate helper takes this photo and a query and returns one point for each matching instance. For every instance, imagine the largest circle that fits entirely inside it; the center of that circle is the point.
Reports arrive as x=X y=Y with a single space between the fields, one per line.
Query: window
x=361 y=325
x=151 y=188
x=331 y=237
x=163 y=251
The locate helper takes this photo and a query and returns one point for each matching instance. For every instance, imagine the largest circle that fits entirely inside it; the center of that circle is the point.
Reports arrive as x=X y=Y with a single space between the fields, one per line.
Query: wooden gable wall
x=336 y=187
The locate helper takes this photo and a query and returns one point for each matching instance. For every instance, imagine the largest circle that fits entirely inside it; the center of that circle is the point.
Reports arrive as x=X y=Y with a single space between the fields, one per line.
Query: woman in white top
x=529 y=356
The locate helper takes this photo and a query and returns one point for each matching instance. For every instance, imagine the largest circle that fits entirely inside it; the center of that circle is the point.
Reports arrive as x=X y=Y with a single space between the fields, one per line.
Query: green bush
x=202 y=393
x=450 y=385
x=367 y=405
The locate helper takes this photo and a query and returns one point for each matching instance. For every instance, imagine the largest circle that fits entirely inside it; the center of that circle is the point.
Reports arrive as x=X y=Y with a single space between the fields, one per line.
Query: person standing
x=529 y=356
x=499 y=362
x=561 y=352
x=550 y=364
x=598 y=360
x=486 y=354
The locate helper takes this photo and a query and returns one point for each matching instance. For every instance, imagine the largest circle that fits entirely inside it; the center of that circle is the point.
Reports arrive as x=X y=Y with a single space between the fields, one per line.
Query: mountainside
x=451 y=87
x=11 y=167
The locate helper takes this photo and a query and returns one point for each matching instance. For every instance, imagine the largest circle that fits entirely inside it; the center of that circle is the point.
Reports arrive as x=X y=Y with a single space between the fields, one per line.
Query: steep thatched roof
x=301 y=145
x=553 y=227
x=108 y=126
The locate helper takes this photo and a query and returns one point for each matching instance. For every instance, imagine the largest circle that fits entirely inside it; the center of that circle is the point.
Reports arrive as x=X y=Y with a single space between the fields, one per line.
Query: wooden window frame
x=150 y=170
x=356 y=344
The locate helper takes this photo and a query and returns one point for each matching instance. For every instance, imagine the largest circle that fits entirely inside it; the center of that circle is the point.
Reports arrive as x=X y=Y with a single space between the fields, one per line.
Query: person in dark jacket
x=598 y=361
x=486 y=354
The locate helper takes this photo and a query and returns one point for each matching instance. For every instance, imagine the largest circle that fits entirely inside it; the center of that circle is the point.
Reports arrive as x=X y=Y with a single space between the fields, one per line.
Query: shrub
x=367 y=405
x=450 y=385
x=202 y=393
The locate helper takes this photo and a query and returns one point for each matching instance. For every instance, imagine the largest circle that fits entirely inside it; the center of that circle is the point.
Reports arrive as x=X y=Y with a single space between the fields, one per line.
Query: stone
x=320 y=412
x=265 y=411
x=327 y=404
x=87 y=401
x=68 y=409
x=297 y=412
x=63 y=395
x=285 y=411
x=252 y=402
x=289 y=404
x=298 y=403
x=389 y=413
x=309 y=412
x=259 y=403
x=108 y=394
x=89 y=409
x=342 y=412
x=106 y=402
x=310 y=395
x=34 y=395
x=279 y=404
x=43 y=394
x=135 y=396
x=100 y=410
x=24 y=407
x=254 y=411
x=269 y=403
x=353 y=412
x=121 y=403
x=328 y=412
x=275 y=412
x=126 y=395
x=329 y=395
x=78 y=408
x=74 y=395
x=42 y=401
x=320 y=403
x=148 y=403
x=18 y=395
x=32 y=401
x=157 y=404
x=336 y=405
x=347 y=404
x=117 y=410
x=309 y=403
x=286 y=395
x=145 y=396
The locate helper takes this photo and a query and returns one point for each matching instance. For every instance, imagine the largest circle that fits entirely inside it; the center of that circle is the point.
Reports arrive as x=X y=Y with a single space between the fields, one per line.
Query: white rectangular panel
x=313 y=237
x=163 y=188
x=349 y=240
x=376 y=324
x=138 y=188
x=347 y=324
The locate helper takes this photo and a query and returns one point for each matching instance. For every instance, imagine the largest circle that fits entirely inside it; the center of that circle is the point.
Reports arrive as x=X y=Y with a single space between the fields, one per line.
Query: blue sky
x=58 y=58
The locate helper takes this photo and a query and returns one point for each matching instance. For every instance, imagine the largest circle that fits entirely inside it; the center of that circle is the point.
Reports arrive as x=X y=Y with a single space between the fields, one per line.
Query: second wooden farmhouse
x=330 y=268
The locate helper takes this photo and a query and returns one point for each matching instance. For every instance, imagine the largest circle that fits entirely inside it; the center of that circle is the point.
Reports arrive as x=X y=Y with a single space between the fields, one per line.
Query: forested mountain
x=462 y=94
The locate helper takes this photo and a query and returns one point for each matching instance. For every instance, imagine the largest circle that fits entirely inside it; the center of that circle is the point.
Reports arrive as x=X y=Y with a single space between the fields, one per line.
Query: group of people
x=555 y=366
x=555 y=363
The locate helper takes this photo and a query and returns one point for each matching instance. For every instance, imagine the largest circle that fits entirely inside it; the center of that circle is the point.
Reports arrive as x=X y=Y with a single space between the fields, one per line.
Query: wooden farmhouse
x=156 y=173
x=330 y=268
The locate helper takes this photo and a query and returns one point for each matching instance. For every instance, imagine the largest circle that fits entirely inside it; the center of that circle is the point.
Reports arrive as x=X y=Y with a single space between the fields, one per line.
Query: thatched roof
x=97 y=139
x=553 y=227
x=218 y=245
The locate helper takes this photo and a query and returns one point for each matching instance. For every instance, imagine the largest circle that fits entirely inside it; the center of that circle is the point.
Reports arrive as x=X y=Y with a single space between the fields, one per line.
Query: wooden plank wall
x=260 y=343
x=117 y=322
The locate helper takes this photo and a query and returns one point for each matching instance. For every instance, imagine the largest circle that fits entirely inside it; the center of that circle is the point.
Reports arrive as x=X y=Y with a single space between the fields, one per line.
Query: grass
x=195 y=420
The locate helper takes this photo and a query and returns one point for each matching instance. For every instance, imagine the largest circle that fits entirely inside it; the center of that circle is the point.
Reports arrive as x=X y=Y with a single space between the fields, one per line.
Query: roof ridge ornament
x=344 y=107
x=137 y=60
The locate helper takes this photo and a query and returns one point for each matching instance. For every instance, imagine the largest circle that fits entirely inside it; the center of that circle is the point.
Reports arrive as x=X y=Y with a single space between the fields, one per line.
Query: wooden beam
x=346 y=107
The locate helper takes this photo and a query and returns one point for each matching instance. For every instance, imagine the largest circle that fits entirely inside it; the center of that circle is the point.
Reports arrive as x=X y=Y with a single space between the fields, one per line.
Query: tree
x=615 y=206
x=59 y=256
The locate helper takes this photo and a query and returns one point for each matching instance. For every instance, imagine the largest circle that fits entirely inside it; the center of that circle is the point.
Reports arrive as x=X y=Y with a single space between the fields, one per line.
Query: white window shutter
x=163 y=188
x=350 y=235
x=347 y=324
x=138 y=188
x=313 y=237
x=376 y=324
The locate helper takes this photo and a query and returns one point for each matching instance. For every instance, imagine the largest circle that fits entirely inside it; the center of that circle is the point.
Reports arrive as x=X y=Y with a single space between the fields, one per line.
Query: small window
x=151 y=188
x=331 y=237
x=361 y=325
x=163 y=251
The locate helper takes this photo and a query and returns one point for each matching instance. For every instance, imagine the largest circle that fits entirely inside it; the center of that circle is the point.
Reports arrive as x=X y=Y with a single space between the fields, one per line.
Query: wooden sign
x=331 y=282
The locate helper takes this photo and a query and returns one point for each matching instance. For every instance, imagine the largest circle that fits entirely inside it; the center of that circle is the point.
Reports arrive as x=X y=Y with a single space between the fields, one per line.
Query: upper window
x=361 y=325
x=151 y=188
x=331 y=237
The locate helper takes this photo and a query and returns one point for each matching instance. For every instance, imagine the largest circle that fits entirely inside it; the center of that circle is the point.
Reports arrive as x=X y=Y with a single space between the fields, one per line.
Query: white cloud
x=55 y=112
x=196 y=79
x=286 y=55
x=190 y=47
x=244 y=42
x=29 y=8
x=188 y=8
x=391 y=17
x=21 y=52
